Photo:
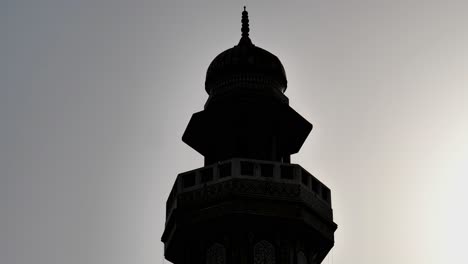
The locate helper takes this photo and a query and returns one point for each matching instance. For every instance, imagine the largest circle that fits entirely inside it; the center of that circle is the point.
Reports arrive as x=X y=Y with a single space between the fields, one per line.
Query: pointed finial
x=245 y=24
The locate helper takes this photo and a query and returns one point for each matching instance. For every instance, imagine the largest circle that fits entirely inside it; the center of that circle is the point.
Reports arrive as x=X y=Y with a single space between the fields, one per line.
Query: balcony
x=309 y=189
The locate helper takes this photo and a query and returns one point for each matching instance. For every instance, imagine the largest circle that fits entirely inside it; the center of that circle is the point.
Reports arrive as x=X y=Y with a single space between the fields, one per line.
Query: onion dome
x=245 y=65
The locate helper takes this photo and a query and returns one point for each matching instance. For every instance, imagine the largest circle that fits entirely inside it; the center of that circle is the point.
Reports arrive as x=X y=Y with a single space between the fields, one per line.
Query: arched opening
x=301 y=258
x=264 y=253
x=216 y=254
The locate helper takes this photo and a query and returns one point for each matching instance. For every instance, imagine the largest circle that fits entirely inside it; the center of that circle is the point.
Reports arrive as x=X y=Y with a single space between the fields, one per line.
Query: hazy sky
x=95 y=96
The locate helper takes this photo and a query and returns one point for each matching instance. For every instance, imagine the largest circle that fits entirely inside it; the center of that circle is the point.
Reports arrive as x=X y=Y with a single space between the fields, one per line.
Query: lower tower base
x=248 y=212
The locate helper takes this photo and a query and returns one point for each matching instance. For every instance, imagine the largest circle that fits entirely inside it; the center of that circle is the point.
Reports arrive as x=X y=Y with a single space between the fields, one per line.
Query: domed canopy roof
x=245 y=61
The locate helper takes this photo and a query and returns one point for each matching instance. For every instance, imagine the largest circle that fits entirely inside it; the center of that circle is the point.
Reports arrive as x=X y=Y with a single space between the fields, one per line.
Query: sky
x=95 y=96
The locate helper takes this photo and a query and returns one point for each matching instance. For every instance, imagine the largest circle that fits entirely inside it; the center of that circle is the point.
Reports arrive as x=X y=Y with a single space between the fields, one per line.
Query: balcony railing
x=247 y=168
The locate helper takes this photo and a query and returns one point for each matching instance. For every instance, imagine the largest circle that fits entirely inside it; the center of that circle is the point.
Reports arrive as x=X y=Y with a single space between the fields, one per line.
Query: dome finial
x=245 y=25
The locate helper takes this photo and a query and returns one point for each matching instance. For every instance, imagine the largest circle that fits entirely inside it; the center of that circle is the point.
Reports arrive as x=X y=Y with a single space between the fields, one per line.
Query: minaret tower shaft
x=248 y=204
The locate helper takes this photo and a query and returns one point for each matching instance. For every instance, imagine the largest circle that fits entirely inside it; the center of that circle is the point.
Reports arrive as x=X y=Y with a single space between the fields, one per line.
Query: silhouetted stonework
x=249 y=204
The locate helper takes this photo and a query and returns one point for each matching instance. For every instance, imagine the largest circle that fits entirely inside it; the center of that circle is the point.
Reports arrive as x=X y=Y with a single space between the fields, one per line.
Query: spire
x=245 y=28
x=245 y=24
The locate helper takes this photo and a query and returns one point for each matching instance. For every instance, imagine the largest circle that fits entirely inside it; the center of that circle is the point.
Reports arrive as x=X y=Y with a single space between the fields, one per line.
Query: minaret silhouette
x=248 y=204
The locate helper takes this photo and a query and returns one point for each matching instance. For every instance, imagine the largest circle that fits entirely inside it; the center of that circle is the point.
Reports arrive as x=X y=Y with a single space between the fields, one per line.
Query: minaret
x=248 y=204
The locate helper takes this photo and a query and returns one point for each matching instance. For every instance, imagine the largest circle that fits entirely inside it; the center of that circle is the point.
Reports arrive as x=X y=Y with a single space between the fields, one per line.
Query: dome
x=245 y=62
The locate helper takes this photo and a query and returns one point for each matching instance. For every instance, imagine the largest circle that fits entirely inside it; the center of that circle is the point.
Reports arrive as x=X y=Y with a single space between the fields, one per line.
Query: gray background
x=95 y=96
